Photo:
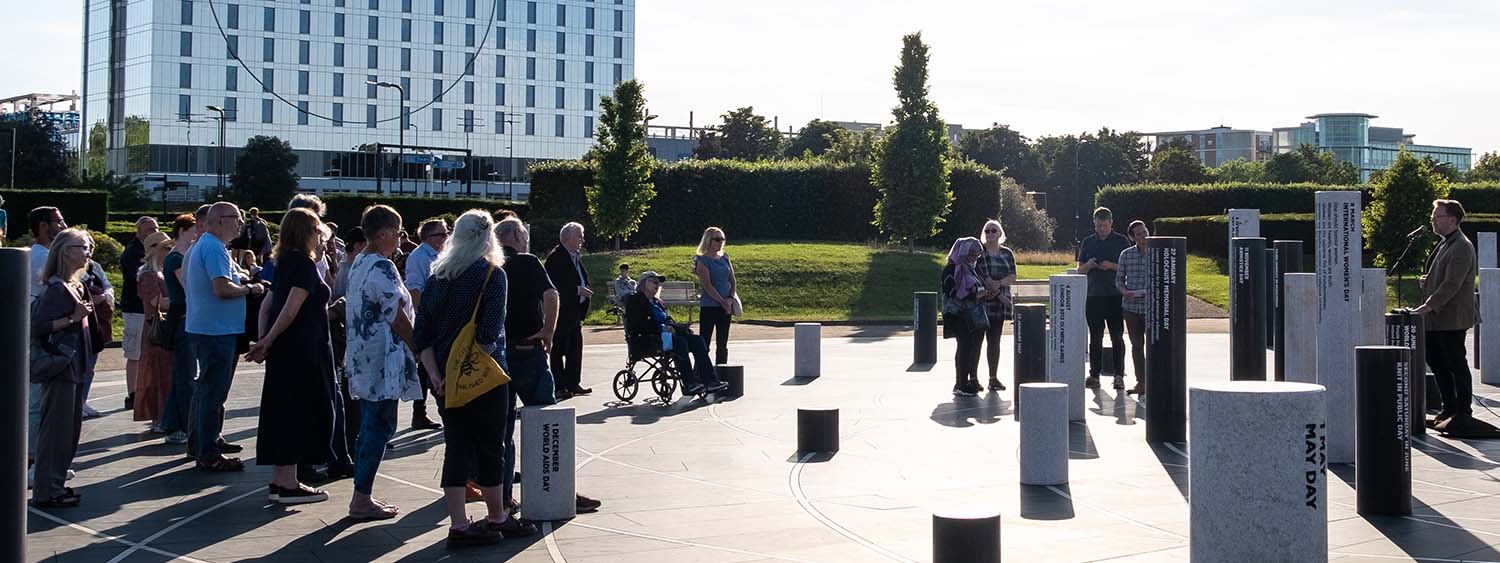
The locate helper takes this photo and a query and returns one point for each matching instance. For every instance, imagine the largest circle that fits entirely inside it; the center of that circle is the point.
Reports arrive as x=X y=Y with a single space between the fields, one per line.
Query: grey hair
x=571 y=226
x=996 y=223
x=307 y=201
x=473 y=239
x=509 y=226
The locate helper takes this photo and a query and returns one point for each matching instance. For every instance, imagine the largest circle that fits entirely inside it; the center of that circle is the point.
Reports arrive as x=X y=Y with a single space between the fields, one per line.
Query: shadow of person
x=963 y=412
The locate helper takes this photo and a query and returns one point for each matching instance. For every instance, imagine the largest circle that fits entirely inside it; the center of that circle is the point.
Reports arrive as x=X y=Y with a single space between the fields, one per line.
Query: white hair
x=996 y=223
x=473 y=239
x=573 y=226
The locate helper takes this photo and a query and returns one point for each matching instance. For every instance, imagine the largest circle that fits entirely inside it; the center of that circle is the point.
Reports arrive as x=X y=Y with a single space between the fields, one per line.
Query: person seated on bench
x=647 y=326
x=624 y=286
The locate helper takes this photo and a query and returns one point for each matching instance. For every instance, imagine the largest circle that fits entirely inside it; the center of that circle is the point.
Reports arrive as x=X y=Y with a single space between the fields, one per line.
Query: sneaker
x=1119 y=382
x=156 y=428
x=1092 y=382
x=996 y=385
x=511 y=527
x=228 y=448
x=694 y=389
x=585 y=505
x=580 y=390
x=91 y=412
x=962 y=391
x=421 y=422
x=720 y=386
x=299 y=495
x=130 y=402
x=1139 y=389
x=475 y=534
x=176 y=438
x=69 y=475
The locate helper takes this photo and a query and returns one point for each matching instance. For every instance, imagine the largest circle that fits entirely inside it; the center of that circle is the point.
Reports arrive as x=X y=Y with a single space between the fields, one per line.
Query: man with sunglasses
x=45 y=223
x=1448 y=312
x=433 y=235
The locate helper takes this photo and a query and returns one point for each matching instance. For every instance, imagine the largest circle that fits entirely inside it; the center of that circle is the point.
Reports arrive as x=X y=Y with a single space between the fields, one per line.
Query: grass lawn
x=837 y=282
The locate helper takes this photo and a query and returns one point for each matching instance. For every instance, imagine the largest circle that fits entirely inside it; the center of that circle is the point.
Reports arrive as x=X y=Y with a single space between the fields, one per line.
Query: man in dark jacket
x=646 y=319
x=1448 y=311
x=565 y=269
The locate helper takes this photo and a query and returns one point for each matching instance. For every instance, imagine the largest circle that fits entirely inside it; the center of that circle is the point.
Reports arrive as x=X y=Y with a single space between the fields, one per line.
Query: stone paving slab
x=721 y=482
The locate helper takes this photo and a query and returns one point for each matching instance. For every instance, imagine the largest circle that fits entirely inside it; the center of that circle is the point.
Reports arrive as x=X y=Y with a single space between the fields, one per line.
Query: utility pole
x=220 y=157
x=510 y=163
x=401 y=125
x=13 y=141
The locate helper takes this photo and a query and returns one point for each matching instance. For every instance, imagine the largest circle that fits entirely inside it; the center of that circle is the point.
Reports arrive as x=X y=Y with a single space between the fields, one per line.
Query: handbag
x=736 y=307
x=471 y=371
x=161 y=331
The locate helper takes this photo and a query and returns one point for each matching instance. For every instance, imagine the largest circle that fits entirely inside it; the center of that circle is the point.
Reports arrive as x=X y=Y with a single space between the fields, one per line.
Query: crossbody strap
x=480 y=300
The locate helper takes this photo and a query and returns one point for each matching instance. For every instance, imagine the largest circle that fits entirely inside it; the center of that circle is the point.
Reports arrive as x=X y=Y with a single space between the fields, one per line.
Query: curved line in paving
x=713 y=414
x=605 y=459
x=1064 y=494
x=1452 y=450
x=178 y=524
x=592 y=457
x=794 y=483
x=553 y=550
x=113 y=538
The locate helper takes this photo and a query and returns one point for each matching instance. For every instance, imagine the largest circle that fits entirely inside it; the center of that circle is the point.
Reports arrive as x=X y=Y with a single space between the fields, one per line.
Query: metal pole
x=13 y=141
x=15 y=318
x=221 y=154
x=401 y=138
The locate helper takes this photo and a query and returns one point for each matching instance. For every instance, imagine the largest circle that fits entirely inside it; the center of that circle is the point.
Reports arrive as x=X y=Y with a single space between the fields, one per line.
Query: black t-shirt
x=523 y=302
x=1108 y=249
x=130 y=263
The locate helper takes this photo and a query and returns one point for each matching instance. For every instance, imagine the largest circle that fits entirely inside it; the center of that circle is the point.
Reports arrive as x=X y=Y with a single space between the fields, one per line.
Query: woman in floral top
x=997 y=269
x=378 y=360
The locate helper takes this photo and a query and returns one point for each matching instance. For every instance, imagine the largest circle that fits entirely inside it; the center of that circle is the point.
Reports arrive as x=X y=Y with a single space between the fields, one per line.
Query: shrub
x=1209 y=234
x=107 y=250
x=1400 y=203
x=981 y=194
x=346 y=209
x=1477 y=197
x=79 y=207
x=1151 y=201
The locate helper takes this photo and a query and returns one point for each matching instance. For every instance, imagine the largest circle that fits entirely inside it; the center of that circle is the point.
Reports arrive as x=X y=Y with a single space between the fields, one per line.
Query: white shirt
x=38 y=262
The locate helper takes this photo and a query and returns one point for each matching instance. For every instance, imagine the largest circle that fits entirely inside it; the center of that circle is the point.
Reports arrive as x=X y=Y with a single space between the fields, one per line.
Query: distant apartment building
x=1351 y=138
x=1220 y=144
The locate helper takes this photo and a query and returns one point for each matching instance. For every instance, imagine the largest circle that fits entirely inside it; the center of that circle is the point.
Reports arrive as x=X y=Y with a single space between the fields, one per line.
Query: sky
x=1041 y=67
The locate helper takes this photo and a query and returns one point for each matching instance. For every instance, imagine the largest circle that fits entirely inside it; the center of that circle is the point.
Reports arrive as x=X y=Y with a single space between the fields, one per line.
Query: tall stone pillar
x=924 y=306
x=1297 y=361
x=1068 y=337
x=1372 y=307
x=1485 y=253
x=548 y=459
x=1288 y=260
x=1247 y=309
x=1339 y=286
x=15 y=297
x=1273 y=289
x=1166 y=340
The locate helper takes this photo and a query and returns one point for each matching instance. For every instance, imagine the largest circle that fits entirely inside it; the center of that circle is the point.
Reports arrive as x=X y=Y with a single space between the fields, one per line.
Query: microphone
x=1416 y=232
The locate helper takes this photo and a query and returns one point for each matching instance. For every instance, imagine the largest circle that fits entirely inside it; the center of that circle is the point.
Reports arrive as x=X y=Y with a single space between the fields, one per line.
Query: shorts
x=134 y=325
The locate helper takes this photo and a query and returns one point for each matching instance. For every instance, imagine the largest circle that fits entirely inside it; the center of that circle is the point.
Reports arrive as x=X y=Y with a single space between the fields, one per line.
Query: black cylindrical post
x=966 y=537
x=817 y=430
x=15 y=320
x=1166 y=340
x=1247 y=311
x=924 y=324
x=1402 y=328
x=1288 y=261
x=1273 y=285
x=1030 y=328
x=734 y=375
x=1382 y=452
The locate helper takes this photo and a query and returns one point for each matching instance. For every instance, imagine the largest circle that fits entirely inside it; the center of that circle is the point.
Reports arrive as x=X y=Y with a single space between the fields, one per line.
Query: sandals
x=223 y=464
x=381 y=511
x=68 y=499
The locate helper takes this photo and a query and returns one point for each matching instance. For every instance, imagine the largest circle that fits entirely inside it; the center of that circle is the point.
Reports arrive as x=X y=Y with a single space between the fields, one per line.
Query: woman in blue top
x=716 y=275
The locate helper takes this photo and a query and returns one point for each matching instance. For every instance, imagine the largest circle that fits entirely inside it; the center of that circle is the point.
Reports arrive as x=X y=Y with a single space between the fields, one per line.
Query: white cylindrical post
x=1257 y=489
x=1301 y=318
x=548 y=459
x=1340 y=284
x=1068 y=337
x=1489 y=309
x=1044 y=434
x=807 y=344
x=1372 y=308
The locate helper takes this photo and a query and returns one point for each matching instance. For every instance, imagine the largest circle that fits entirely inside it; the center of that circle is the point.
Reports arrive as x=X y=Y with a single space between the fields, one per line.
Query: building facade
x=489 y=85
x=1351 y=138
x=1220 y=144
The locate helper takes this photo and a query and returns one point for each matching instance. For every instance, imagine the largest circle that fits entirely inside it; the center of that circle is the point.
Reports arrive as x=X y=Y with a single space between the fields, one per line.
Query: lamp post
x=220 y=157
x=401 y=125
x=13 y=141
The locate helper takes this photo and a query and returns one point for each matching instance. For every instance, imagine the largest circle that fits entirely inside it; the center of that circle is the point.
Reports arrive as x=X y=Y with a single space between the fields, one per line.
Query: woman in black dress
x=296 y=404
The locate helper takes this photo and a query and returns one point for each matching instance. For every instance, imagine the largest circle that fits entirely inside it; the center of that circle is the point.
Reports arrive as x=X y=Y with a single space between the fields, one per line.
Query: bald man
x=130 y=302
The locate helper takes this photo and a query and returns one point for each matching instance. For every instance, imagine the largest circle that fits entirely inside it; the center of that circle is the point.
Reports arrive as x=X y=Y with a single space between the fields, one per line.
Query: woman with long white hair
x=467 y=285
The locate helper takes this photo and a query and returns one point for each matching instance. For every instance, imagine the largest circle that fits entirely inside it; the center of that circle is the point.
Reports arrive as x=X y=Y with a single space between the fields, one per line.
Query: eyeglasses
x=439 y=235
x=85 y=247
x=717 y=239
x=991 y=231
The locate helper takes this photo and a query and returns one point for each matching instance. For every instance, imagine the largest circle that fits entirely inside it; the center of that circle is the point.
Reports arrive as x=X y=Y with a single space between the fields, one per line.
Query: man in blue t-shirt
x=1098 y=258
x=215 y=292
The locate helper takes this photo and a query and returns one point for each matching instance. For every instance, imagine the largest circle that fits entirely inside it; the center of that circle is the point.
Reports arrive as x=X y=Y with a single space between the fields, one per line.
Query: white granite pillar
x=1301 y=318
x=807 y=350
x=1489 y=332
x=1068 y=337
x=1257 y=487
x=1485 y=252
x=1044 y=434
x=548 y=460
x=1339 y=288
x=1372 y=308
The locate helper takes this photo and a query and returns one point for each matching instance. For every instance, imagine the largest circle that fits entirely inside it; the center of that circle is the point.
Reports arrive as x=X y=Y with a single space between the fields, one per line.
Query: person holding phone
x=1097 y=256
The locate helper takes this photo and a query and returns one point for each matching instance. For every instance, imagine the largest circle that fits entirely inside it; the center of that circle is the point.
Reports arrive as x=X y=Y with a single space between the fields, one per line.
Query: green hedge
x=1478 y=197
x=1209 y=234
x=346 y=209
x=79 y=207
x=1148 y=202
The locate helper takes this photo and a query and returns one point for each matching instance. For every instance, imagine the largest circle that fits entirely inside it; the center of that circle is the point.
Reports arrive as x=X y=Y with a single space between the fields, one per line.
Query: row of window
x=466 y=121
x=560 y=67
x=304 y=51
x=304 y=17
x=304 y=88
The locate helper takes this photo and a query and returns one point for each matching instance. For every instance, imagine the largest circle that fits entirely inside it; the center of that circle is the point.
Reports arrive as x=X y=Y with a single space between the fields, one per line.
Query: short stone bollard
x=817 y=430
x=548 y=459
x=807 y=353
x=734 y=375
x=1044 y=434
x=1257 y=460
x=966 y=536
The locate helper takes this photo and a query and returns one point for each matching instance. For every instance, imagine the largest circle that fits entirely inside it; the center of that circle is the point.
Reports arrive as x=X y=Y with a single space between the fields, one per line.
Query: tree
x=1309 y=164
x=815 y=139
x=857 y=147
x=125 y=192
x=1005 y=150
x=42 y=157
x=1401 y=202
x=264 y=175
x=1176 y=164
x=1448 y=172
x=1077 y=166
x=911 y=168
x=623 y=190
x=1487 y=169
x=743 y=136
x=1238 y=170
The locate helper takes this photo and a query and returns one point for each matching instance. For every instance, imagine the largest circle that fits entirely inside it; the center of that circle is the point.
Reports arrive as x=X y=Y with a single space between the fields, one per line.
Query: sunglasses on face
x=990 y=231
x=717 y=239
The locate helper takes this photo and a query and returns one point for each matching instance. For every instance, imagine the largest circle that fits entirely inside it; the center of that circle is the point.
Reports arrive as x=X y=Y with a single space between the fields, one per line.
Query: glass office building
x=1351 y=138
x=511 y=81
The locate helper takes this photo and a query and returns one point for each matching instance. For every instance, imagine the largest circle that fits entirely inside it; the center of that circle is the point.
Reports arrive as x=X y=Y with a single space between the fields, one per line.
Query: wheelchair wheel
x=664 y=381
x=626 y=385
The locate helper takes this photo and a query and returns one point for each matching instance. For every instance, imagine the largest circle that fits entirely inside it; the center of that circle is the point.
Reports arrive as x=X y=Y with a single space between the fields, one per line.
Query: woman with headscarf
x=155 y=375
x=963 y=293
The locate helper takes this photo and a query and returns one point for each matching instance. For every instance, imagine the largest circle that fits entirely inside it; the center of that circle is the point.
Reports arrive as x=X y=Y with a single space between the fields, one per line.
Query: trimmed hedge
x=1209 y=234
x=346 y=209
x=79 y=207
x=1478 y=197
x=1149 y=202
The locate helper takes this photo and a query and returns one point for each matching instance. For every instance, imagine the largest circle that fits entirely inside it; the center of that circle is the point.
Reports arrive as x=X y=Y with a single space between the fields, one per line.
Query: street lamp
x=401 y=150
x=220 y=177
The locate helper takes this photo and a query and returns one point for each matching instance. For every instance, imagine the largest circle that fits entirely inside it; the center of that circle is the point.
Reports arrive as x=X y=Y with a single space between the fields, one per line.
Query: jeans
x=713 y=324
x=698 y=369
x=377 y=423
x=1448 y=358
x=340 y=442
x=1135 y=326
x=176 y=412
x=1101 y=309
x=216 y=358
x=531 y=382
x=33 y=417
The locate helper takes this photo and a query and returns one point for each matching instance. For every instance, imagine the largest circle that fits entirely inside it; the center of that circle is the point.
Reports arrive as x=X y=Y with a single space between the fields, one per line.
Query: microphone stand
x=1395 y=267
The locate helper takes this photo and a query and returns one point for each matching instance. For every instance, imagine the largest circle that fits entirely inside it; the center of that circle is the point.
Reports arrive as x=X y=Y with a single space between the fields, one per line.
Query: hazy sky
x=1043 y=67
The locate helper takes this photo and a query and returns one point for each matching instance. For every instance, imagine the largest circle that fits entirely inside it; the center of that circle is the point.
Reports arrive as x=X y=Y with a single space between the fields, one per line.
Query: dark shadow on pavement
x=812 y=457
x=1344 y=471
x=871 y=334
x=1176 y=468
x=1081 y=442
x=1427 y=534
x=915 y=367
x=1433 y=447
x=1040 y=503
x=645 y=413
x=963 y=412
x=799 y=381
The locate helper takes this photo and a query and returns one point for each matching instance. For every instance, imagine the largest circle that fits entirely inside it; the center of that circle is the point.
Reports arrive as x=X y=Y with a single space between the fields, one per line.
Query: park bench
x=1029 y=291
x=673 y=293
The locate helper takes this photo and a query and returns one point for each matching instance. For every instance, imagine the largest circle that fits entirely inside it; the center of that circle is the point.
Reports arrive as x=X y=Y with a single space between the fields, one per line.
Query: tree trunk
x=617 y=243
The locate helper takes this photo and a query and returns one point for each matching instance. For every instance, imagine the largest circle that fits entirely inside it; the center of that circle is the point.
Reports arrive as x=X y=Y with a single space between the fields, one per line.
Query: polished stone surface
x=1340 y=284
x=1043 y=454
x=698 y=481
x=1068 y=337
x=808 y=355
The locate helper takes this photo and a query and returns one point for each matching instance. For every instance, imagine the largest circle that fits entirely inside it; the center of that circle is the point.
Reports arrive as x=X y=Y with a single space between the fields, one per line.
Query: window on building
x=184 y=75
x=187 y=12
x=405 y=58
x=267 y=110
x=619 y=20
x=268 y=49
x=232 y=45
x=500 y=66
x=531 y=12
x=588 y=45
x=338 y=114
x=372 y=27
x=531 y=40
x=560 y=99
x=302 y=112
x=468 y=121
x=499 y=94
x=560 y=73
x=268 y=79
x=437 y=61
x=302 y=82
x=338 y=54
x=588 y=126
x=338 y=85
x=558 y=126
x=588 y=18
x=437 y=118
x=437 y=7
x=336 y=3
x=619 y=73
x=406 y=6
x=469 y=8
x=499 y=123
x=619 y=47
x=371 y=90
x=500 y=38
x=406 y=88
x=370 y=117
x=231 y=109
x=437 y=89
x=468 y=92
x=406 y=30
x=232 y=16
x=531 y=68
x=530 y=124
x=562 y=15
x=372 y=57
x=588 y=100
x=437 y=33
x=304 y=22
x=588 y=72
x=469 y=35
x=502 y=6
x=338 y=25
x=185 y=44
x=530 y=96
x=562 y=42
x=232 y=78
x=270 y=19
x=304 y=52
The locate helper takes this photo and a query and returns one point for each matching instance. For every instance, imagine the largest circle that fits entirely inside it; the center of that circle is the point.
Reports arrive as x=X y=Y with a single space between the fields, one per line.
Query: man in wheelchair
x=648 y=328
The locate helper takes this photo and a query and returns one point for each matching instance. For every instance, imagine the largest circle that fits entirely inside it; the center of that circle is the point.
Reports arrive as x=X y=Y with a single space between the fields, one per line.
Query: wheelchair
x=647 y=362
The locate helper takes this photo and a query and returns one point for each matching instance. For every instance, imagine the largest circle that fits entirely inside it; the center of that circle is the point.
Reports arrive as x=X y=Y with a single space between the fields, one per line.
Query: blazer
x=1449 y=286
x=570 y=311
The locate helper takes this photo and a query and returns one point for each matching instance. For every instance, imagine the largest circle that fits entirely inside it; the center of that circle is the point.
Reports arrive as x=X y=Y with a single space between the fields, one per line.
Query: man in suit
x=1448 y=309
x=565 y=268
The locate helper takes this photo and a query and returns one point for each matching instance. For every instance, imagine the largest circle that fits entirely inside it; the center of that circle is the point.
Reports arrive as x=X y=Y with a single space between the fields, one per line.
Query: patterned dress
x=377 y=363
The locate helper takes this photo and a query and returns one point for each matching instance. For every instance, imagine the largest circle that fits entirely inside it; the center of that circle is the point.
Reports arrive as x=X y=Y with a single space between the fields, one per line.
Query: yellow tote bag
x=471 y=371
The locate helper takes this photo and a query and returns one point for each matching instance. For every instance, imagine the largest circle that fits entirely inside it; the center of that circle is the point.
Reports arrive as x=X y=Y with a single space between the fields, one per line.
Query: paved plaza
x=721 y=481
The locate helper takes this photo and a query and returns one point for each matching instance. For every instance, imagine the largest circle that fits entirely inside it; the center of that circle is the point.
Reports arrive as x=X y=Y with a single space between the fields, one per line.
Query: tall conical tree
x=911 y=169
x=622 y=191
